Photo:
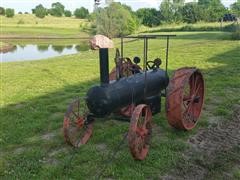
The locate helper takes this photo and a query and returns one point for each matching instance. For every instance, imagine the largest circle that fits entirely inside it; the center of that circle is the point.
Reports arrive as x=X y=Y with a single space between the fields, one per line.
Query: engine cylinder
x=107 y=98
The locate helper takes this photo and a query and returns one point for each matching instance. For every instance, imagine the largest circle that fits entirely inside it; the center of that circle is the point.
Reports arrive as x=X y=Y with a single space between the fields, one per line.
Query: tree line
x=174 y=11
x=118 y=19
x=57 y=9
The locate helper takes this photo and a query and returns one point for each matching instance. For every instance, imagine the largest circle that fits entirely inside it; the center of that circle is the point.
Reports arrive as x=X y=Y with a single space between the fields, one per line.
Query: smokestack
x=104 y=67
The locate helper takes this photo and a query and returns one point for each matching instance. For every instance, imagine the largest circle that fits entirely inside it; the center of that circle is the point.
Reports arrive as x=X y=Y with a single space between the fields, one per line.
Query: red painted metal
x=185 y=98
x=140 y=131
x=76 y=130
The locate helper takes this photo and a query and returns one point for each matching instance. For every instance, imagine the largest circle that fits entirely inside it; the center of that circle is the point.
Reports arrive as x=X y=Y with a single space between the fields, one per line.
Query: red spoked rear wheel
x=185 y=98
x=140 y=132
x=77 y=124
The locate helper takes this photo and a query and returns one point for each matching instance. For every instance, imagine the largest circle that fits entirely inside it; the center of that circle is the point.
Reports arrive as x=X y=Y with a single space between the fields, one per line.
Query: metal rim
x=76 y=127
x=140 y=131
x=185 y=98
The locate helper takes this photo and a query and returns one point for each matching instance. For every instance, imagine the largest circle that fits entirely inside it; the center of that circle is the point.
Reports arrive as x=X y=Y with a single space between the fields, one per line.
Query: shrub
x=57 y=9
x=9 y=12
x=81 y=13
x=115 y=21
x=68 y=13
x=2 y=11
x=40 y=11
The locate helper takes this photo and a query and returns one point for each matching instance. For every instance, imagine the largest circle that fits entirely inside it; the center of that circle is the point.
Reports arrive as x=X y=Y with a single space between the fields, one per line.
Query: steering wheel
x=154 y=64
x=150 y=65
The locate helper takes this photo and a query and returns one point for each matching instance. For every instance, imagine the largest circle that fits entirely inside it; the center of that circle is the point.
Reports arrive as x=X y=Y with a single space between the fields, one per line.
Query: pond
x=37 y=52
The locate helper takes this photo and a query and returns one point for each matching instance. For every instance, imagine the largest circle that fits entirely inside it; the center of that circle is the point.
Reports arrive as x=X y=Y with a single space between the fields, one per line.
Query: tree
x=2 y=11
x=57 y=9
x=216 y=10
x=68 y=13
x=81 y=13
x=115 y=21
x=204 y=3
x=191 y=12
x=9 y=12
x=166 y=9
x=177 y=6
x=149 y=16
x=40 y=11
x=235 y=8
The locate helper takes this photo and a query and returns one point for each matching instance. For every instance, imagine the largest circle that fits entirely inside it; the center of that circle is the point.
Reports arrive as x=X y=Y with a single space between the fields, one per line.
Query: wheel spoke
x=197 y=89
x=76 y=132
x=186 y=98
x=78 y=107
x=75 y=114
x=146 y=119
x=138 y=138
x=196 y=82
x=184 y=107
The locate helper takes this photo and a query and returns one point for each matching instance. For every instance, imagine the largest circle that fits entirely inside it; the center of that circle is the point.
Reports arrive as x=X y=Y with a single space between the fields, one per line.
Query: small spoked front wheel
x=185 y=98
x=77 y=124
x=140 y=131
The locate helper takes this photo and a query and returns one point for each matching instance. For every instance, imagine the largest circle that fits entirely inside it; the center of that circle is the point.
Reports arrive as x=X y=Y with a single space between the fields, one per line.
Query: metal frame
x=145 y=48
x=145 y=53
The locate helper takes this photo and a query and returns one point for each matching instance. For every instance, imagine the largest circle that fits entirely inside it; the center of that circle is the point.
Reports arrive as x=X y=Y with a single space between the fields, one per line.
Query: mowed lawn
x=25 y=25
x=35 y=96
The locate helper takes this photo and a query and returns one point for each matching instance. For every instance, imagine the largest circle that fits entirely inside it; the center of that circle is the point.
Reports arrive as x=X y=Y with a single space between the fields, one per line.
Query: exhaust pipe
x=104 y=66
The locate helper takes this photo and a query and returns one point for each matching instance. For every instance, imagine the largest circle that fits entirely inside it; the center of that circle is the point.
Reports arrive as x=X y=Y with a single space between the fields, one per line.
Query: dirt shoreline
x=7 y=48
x=215 y=148
x=40 y=37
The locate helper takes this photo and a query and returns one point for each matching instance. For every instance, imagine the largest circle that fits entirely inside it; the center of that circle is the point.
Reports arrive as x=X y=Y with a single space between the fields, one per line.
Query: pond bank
x=5 y=47
x=42 y=37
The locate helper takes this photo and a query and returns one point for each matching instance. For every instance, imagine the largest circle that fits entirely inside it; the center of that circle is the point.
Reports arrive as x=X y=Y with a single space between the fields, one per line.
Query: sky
x=27 y=5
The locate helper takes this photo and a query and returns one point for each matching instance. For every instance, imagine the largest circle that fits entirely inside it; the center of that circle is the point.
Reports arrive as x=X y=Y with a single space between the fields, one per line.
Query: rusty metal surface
x=140 y=132
x=126 y=68
x=76 y=129
x=185 y=97
x=100 y=41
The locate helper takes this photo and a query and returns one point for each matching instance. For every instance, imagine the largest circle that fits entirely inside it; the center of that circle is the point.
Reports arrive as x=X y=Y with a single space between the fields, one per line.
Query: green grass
x=35 y=95
x=28 y=25
x=200 y=26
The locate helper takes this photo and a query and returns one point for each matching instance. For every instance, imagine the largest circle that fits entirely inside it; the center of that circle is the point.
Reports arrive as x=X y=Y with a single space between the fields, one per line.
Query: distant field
x=200 y=26
x=35 y=96
x=27 y=24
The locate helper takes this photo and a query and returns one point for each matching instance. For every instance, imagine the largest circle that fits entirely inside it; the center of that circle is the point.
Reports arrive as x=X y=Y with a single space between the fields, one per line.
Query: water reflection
x=22 y=46
x=36 y=52
x=69 y=46
x=42 y=48
x=57 y=48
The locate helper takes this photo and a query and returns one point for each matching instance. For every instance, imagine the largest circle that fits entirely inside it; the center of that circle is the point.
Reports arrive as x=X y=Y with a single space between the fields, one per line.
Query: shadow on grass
x=45 y=113
x=38 y=115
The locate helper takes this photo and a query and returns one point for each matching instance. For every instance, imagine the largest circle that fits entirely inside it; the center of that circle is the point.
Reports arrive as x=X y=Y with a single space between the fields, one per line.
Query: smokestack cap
x=101 y=41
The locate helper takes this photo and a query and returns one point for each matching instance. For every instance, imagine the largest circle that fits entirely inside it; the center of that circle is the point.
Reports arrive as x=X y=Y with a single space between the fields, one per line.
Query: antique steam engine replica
x=135 y=93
